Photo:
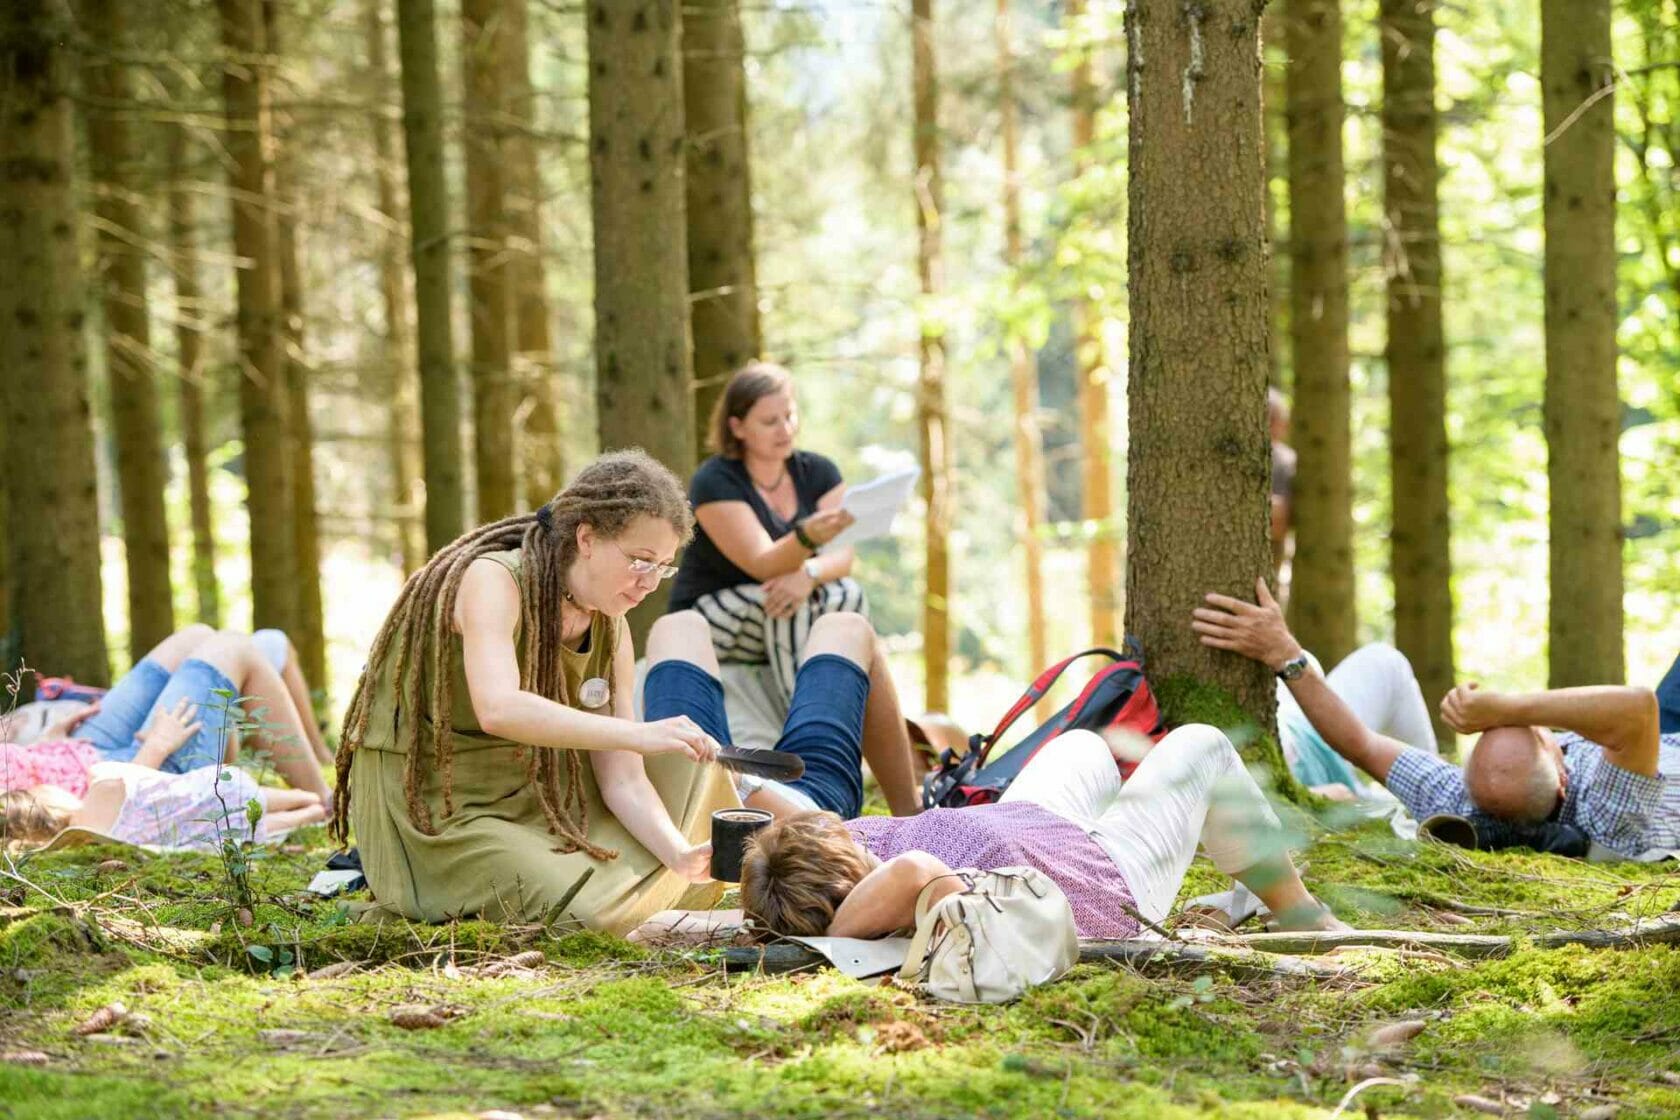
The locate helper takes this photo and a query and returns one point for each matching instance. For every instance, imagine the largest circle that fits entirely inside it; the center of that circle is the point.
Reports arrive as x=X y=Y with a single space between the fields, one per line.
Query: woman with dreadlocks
x=504 y=662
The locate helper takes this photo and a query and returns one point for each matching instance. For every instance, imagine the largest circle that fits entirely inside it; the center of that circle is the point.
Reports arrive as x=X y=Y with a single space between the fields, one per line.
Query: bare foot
x=1315 y=918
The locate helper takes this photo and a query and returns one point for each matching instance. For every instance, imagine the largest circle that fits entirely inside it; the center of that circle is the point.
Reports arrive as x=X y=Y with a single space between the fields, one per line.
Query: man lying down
x=1605 y=784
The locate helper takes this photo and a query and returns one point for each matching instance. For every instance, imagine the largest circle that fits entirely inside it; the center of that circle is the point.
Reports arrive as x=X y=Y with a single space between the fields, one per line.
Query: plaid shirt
x=1626 y=812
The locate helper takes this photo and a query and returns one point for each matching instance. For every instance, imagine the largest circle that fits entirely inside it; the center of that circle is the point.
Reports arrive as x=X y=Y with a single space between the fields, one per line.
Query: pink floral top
x=63 y=763
x=195 y=810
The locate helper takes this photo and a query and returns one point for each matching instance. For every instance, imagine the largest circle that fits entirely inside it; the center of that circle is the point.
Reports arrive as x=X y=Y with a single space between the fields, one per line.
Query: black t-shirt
x=704 y=567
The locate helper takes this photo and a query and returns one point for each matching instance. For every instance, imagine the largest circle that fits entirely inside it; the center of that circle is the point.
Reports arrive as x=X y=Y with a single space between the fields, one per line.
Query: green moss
x=1184 y=699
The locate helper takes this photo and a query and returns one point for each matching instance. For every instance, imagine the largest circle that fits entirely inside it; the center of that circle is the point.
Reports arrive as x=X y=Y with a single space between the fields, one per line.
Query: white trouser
x=1191 y=788
x=1377 y=683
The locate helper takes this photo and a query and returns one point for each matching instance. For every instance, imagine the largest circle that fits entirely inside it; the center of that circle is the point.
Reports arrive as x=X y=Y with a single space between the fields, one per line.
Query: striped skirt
x=743 y=635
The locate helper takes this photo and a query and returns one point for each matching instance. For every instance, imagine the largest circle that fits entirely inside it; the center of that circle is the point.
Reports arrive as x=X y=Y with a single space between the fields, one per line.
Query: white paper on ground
x=859 y=957
x=874 y=504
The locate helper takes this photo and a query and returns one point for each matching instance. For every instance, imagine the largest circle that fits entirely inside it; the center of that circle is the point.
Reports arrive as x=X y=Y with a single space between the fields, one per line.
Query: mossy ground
x=606 y=1028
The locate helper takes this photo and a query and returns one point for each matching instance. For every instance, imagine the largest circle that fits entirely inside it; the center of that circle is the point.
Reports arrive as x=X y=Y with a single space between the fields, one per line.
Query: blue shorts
x=1668 y=699
x=149 y=688
x=824 y=725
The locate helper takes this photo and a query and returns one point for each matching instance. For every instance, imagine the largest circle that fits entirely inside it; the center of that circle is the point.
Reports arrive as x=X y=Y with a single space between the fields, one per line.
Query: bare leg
x=683 y=636
x=886 y=741
x=292 y=675
x=280 y=800
x=179 y=646
x=279 y=729
x=285 y=821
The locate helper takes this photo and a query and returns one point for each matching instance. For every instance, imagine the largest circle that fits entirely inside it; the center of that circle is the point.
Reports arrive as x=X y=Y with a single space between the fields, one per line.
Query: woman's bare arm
x=885 y=900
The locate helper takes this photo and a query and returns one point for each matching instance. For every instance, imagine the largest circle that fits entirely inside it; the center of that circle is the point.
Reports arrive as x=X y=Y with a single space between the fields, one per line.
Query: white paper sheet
x=859 y=958
x=874 y=504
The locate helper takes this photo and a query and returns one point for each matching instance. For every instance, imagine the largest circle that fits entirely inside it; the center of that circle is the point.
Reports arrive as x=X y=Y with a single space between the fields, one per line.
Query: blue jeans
x=1668 y=699
x=149 y=688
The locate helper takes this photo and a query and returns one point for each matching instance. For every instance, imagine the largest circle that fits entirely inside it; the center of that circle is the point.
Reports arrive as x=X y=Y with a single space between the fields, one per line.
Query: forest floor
x=229 y=1019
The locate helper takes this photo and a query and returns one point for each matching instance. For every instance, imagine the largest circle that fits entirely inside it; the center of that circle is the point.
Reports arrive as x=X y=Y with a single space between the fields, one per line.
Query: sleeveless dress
x=494 y=857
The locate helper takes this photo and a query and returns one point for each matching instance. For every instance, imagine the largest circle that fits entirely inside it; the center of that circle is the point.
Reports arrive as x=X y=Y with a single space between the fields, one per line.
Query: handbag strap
x=916 y=956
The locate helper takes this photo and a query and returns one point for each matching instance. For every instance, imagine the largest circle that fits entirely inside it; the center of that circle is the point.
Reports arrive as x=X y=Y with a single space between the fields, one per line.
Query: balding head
x=1513 y=775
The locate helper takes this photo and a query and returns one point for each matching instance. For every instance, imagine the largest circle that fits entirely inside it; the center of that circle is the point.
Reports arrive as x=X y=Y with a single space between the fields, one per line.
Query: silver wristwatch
x=812 y=570
x=1293 y=668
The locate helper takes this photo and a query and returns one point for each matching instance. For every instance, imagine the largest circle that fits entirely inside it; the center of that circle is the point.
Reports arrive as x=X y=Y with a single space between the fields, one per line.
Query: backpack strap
x=1035 y=692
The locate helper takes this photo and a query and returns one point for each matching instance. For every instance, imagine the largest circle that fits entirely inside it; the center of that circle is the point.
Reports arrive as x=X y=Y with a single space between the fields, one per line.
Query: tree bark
x=189 y=349
x=489 y=277
x=540 y=456
x=264 y=404
x=113 y=155
x=403 y=432
x=52 y=510
x=1023 y=367
x=440 y=402
x=1199 y=465
x=935 y=447
x=1102 y=577
x=1321 y=603
x=309 y=631
x=1583 y=409
x=722 y=282
x=636 y=160
x=1416 y=350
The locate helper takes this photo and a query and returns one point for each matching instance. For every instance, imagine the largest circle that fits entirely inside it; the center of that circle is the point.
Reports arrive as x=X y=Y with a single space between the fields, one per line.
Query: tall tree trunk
x=1416 y=349
x=141 y=474
x=1321 y=601
x=1583 y=411
x=1273 y=101
x=721 y=279
x=935 y=447
x=189 y=347
x=540 y=457
x=489 y=277
x=263 y=385
x=52 y=511
x=309 y=631
x=440 y=402
x=1102 y=579
x=641 y=250
x=1023 y=367
x=403 y=433
x=1198 y=469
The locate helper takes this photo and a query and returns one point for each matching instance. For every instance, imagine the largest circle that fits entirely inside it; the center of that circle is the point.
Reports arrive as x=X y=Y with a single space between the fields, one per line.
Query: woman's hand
x=171 y=730
x=784 y=593
x=826 y=524
x=1468 y=709
x=66 y=727
x=1255 y=631
x=694 y=864
x=677 y=735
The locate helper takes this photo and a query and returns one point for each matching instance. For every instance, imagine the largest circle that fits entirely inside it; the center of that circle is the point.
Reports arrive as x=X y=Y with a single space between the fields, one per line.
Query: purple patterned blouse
x=1014 y=834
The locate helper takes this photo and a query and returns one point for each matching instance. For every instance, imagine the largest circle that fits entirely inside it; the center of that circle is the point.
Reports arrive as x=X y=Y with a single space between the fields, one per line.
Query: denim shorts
x=149 y=688
x=824 y=725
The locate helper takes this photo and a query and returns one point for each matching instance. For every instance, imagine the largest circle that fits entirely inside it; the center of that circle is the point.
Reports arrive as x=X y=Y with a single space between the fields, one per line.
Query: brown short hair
x=797 y=871
x=747 y=386
x=26 y=819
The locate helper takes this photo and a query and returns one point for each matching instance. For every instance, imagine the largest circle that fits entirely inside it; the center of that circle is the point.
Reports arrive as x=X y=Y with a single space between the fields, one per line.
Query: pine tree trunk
x=309 y=631
x=540 y=457
x=721 y=278
x=641 y=249
x=403 y=432
x=935 y=447
x=1102 y=579
x=189 y=346
x=489 y=277
x=52 y=513
x=264 y=403
x=440 y=402
x=1321 y=602
x=1583 y=410
x=113 y=155
x=1416 y=349
x=1273 y=101
x=1198 y=470
x=1023 y=367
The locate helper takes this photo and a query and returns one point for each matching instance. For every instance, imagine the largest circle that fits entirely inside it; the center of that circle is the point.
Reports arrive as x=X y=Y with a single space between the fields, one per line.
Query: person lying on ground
x=760 y=569
x=137 y=803
x=240 y=700
x=837 y=678
x=1118 y=849
x=1668 y=699
x=1611 y=773
x=490 y=763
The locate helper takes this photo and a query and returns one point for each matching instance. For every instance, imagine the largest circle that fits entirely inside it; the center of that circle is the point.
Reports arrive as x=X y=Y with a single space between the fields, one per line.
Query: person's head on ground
x=1277 y=416
x=1516 y=774
x=756 y=416
x=30 y=817
x=600 y=545
x=797 y=871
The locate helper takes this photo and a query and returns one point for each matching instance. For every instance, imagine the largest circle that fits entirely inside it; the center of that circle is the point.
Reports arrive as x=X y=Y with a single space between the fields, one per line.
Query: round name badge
x=594 y=693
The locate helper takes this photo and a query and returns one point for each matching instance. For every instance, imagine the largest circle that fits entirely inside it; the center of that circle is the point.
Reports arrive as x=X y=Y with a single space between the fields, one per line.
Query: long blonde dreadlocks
x=607 y=495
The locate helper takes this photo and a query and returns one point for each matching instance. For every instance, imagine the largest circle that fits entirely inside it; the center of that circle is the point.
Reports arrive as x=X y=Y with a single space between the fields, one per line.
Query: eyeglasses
x=640 y=566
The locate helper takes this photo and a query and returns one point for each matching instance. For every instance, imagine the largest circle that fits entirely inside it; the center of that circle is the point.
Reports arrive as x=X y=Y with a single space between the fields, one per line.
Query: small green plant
x=235 y=848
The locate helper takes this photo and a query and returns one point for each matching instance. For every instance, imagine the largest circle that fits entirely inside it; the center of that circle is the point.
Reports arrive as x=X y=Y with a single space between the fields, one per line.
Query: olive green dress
x=494 y=857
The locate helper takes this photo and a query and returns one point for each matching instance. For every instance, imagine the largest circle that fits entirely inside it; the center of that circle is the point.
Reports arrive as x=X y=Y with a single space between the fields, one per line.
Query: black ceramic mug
x=730 y=829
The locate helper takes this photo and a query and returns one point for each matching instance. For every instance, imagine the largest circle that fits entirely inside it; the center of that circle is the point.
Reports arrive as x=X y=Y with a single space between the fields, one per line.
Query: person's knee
x=196 y=633
x=848 y=632
x=230 y=652
x=1198 y=740
x=1382 y=657
x=676 y=631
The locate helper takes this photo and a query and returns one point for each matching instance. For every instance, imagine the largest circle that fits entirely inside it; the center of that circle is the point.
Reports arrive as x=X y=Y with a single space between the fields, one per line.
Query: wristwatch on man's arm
x=1292 y=669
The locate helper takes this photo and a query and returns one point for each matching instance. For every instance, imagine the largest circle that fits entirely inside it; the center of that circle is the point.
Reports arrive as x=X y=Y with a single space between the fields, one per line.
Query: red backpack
x=1118 y=697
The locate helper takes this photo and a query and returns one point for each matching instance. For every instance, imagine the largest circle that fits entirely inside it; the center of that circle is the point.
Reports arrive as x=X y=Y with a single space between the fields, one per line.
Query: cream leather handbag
x=1009 y=930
